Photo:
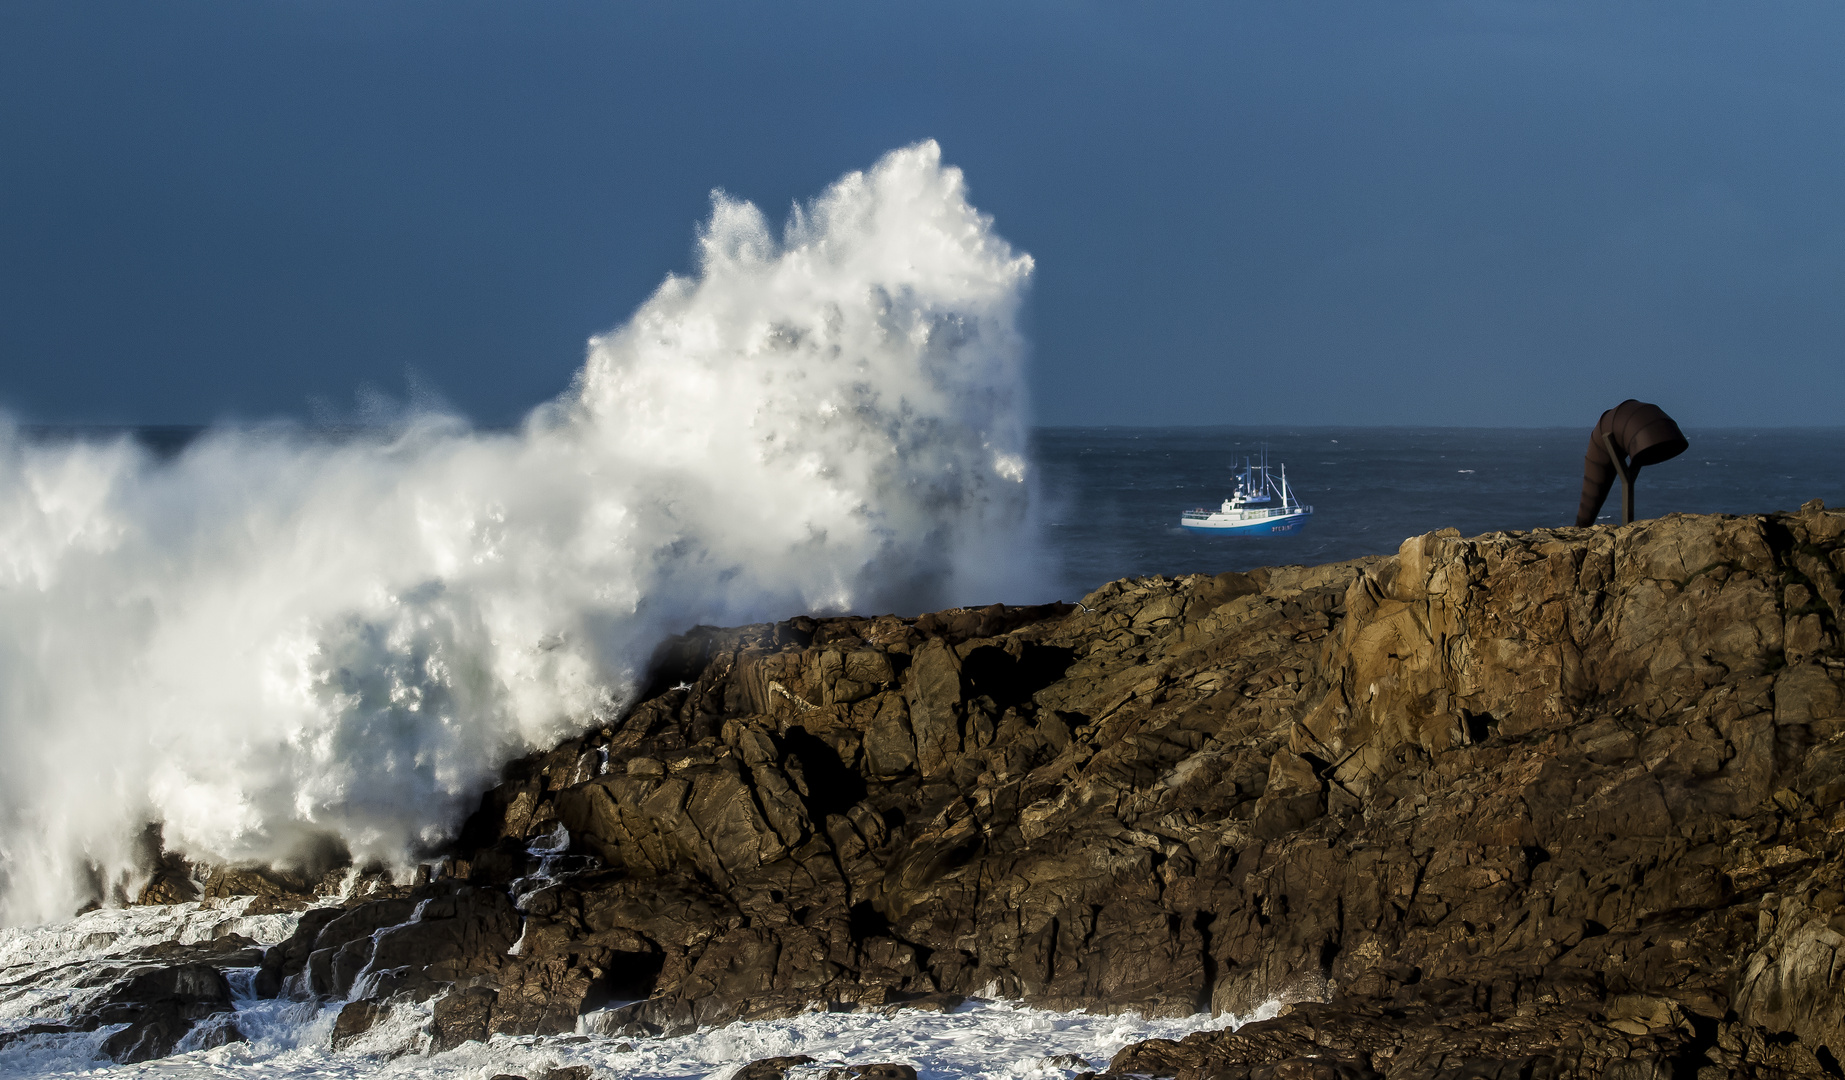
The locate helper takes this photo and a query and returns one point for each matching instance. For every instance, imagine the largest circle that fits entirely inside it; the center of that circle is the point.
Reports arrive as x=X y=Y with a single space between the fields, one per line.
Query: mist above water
x=271 y=638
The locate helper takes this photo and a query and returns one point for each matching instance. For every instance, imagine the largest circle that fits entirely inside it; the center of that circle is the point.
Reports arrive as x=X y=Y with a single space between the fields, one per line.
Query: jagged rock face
x=160 y=1006
x=1543 y=803
x=1584 y=812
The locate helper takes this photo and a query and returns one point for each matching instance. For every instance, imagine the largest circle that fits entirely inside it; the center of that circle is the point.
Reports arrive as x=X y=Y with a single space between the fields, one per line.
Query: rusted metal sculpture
x=1627 y=436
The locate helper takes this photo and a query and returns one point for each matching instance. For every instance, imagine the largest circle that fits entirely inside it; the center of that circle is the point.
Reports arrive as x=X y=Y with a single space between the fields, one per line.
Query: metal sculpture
x=1628 y=436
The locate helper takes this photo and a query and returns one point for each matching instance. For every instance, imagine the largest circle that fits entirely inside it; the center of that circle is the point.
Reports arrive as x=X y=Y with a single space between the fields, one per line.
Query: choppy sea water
x=988 y=1040
x=1113 y=496
x=1110 y=497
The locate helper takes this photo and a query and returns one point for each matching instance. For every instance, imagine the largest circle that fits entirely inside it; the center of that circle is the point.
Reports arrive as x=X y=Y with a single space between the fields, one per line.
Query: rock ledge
x=1561 y=803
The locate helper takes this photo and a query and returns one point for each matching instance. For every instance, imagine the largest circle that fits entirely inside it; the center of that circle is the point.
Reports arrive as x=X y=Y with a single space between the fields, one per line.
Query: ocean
x=1112 y=496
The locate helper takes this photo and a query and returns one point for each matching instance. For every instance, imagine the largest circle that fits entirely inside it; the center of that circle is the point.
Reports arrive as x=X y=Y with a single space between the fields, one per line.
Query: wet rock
x=226 y=951
x=1560 y=803
x=160 y=1006
x=287 y=959
x=170 y=877
x=355 y=1019
x=774 y=1068
x=880 y=1071
x=460 y=1016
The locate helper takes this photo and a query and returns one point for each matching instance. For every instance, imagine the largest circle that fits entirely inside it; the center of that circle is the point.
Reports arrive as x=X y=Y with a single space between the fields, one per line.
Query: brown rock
x=160 y=1006
x=934 y=698
x=1560 y=803
x=890 y=744
x=880 y=1071
x=460 y=1016
x=1292 y=797
x=355 y=1019
x=774 y=1068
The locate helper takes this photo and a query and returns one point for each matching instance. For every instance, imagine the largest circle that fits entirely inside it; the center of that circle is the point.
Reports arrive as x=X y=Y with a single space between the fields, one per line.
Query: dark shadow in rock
x=1201 y=922
x=679 y=659
x=1329 y=952
x=504 y=861
x=1692 y=1057
x=866 y=921
x=628 y=976
x=835 y=788
x=992 y=672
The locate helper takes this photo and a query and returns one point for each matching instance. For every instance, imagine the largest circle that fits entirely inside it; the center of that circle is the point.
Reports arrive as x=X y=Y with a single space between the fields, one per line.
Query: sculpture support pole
x=1627 y=480
x=1632 y=435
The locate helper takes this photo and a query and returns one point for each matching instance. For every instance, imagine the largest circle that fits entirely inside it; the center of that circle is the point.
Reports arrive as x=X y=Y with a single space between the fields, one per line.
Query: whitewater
x=290 y=1039
x=276 y=640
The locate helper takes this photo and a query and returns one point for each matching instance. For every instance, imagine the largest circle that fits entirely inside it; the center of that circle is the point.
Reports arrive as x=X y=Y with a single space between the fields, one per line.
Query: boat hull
x=1225 y=525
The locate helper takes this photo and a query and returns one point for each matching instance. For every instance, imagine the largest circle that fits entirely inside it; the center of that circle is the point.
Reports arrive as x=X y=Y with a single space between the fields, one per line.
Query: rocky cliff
x=1564 y=803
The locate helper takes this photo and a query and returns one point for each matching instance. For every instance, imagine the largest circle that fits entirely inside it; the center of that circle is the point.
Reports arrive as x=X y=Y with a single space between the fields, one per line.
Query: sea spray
x=274 y=638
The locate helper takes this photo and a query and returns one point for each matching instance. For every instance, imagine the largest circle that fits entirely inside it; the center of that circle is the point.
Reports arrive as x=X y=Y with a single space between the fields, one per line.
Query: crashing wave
x=276 y=637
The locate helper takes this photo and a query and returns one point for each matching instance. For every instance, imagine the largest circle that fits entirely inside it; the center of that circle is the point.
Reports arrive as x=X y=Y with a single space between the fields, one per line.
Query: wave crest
x=275 y=636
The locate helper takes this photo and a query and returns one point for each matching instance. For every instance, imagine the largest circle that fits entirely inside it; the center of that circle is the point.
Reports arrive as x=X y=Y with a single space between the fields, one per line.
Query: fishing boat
x=1262 y=505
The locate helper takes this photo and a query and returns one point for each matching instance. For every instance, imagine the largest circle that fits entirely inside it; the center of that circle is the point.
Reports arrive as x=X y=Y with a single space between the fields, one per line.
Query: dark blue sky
x=1480 y=213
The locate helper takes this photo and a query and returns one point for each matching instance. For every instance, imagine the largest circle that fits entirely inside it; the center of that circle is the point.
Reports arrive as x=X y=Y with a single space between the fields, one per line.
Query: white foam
x=982 y=1039
x=109 y=932
x=275 y=636
x=291 y=1040
x=51 y=973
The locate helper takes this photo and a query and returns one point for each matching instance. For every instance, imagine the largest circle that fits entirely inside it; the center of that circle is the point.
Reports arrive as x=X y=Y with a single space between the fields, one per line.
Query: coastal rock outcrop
x=157 y=999
x=1560 y=803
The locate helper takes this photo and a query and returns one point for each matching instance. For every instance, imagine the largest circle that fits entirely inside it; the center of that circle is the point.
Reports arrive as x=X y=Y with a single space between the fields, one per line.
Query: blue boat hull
x=1281 y=526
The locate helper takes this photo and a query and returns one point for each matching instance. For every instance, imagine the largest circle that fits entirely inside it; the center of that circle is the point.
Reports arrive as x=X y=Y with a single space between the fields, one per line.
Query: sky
x=1488 y=213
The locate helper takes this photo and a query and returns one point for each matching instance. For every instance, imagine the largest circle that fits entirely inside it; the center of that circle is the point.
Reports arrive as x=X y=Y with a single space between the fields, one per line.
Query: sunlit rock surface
x=1538 y=804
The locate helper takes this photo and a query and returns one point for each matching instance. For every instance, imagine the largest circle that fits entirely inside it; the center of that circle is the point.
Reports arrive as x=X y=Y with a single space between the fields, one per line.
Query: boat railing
x=1249 y=514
